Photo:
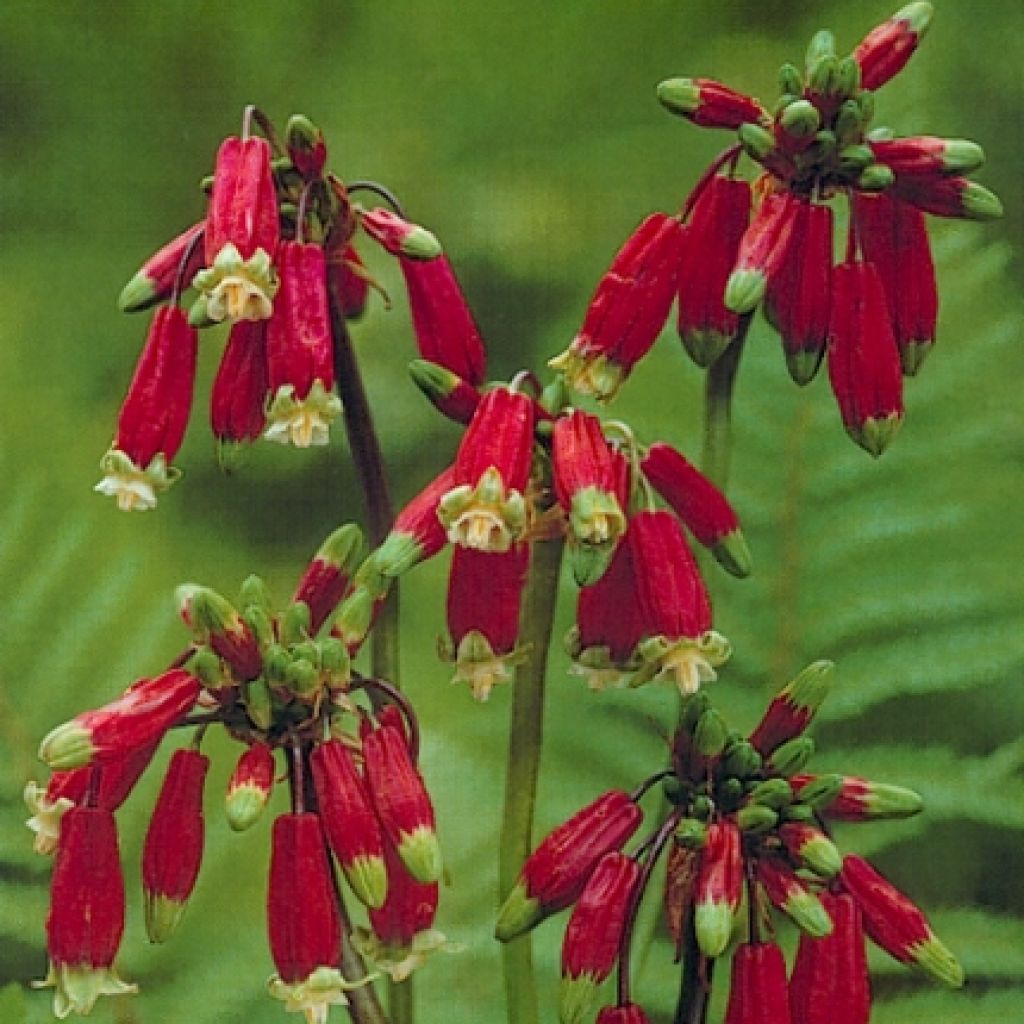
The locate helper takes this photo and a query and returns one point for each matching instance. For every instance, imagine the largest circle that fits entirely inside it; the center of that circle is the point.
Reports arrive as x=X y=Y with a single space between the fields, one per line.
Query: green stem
x=718 y=389
x=524 y=748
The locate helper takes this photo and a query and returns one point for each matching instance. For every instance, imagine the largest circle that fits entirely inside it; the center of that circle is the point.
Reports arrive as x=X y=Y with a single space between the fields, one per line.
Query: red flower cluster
x=275 y=681
x=742 y=817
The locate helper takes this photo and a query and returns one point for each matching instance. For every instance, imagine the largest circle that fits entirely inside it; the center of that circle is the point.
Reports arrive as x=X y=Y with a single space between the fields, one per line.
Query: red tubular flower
x=719 y=887
x=417 y=533
x=927 y=156
x=716 y=226
x=328 y=575
x=810 y=848
x=627 y=1013
x=708 y=103
x=240 y=388
x=399 y=236
x=214 y=621
x=447 y=392
x=793 y=708
x=241 y=233
x=250 y=786
x=895 y=924
x=628 y=310
x=402 y=802
x=762 y=251
x=883 y=53
x=860 y=799
x=863 y=360
x=446 y=333
x=86 y=919
x=673 y=605
x=173 y=849
x=594 y=933
x=302 y=919
x=556 y=872
x=134 y=721
x=348 y=278
x=350 y=821
x=155 y=280
x=486 y=509
x=894 y=238
x=830 y=983
x=949 y=197
x=798 y=298
x=699 y=504
x=592 y=485
x=300 y=350
x=608 y=625
x=757 y=986
x=153 y=417
x=484 y=596
x=792 y=897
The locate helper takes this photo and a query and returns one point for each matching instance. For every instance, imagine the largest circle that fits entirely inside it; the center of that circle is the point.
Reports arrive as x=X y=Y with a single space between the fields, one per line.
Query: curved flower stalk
x=281 y=685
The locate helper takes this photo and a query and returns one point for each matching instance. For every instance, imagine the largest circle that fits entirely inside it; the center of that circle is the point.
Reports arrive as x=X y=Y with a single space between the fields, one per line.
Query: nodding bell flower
x=173 y=850
x=250 y=786
x=717 y=224
x=674 y=606
x=863 y=360
x=241 y=233
x=300 y=357
x=349 y=279
x=592 y=485
x=239 y=394
x=155 y=280
x=151 y=423
x=628 y=310
x=757 y=989
x=86 y=919
x=556 y=872
x=484 y=595
x=486 y=509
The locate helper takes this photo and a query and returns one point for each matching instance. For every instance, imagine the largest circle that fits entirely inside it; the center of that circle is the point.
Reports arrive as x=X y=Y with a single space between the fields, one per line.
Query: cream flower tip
x=134 y=492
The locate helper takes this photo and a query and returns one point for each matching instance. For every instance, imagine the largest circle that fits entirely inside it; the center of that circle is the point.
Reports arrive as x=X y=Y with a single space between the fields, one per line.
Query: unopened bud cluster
x=746 y=825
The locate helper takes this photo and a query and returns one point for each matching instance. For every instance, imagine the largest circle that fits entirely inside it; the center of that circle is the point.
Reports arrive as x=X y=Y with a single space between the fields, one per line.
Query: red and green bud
x=486 y=509
x=250 y=786
x=135 y=721
x=719 y=887
x=950 y=197
x=716 y=225
x=349 y=280
x=758 y=993
x=811 y=848
x=240 y=388
x=86 y=919
x=762 y=251
x=926 y=156
x=594 y=933
x=627 y=1013
x=214 y=621
x=701 y=506
x=447 y=392
x=863 y=359
x=327 y=577
x=894 y=238
x=350 y=821
x=241 y=233
x=402 y=802
x=830 y=983
x=399 y=236
x=859 y=799
x=302 y=919
x=180 y=257
x=883 y=53
x=446 y=332
x=556 y=872
x=673 y=604
x=793 y=708
x=300 y=361
x=608 y=625
x=306 y=147
x=417 y=533
x=484 y=596
x=896 y=925
x=793 y=897
x=708 y=103
x=591 y=482
x=173 y=849
x=798 y=298
x=628 y=310
x=151 y=423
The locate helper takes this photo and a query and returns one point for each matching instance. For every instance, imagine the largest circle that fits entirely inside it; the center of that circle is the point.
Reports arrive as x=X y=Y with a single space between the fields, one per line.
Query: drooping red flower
x=239 y=392
x=181 y=257
x=757 y=988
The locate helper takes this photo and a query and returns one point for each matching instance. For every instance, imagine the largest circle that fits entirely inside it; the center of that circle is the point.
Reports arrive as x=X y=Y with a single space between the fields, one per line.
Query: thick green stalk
x=524 y=747
x=718 y=389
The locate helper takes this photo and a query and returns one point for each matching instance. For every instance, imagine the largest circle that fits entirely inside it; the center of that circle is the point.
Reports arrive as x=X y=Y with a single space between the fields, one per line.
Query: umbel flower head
x=282 y=686
x=745 y=823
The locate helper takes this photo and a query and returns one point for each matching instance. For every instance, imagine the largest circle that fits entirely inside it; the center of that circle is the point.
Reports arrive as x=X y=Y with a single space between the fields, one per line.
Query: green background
x=527 y=136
